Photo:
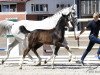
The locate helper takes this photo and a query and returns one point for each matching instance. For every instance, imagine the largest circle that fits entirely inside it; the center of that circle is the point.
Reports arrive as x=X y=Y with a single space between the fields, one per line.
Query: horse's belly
x=46 y=42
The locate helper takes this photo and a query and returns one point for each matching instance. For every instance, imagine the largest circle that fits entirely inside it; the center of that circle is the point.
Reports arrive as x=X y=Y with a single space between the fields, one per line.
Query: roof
x=14 y=0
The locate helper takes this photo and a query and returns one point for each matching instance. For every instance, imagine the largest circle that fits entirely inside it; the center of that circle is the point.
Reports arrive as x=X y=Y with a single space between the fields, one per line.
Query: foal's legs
x=53 y=56
x=10 y=47
x=69 y=52
x=34 y=49
x=65 y=44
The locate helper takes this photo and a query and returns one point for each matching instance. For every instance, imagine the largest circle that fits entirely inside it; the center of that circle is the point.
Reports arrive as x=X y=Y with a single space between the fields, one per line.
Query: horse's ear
x=63 y=15
x=69 y=13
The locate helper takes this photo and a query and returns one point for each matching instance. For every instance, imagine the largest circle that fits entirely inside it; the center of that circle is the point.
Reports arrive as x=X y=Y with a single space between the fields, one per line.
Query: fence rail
x=59 y=59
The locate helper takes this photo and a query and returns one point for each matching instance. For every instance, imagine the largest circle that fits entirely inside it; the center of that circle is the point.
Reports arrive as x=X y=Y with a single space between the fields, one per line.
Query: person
x=98 y=53
x=94 y=27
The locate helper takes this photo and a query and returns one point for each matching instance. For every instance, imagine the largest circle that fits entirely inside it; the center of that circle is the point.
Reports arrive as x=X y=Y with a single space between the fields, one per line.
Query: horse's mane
x=59 y=13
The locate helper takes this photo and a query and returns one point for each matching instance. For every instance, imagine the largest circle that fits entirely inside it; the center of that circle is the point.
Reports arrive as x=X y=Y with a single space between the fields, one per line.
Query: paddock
x=44 y=70
x=11 y=67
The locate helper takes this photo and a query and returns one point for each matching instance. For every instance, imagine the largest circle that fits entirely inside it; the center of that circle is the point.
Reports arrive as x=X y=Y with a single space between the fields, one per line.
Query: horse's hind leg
x=10 y=47
x=25 y=46
x=34 y=49
x=55 y=51
x=50 y=57
x=39 y=63
x=25 y=53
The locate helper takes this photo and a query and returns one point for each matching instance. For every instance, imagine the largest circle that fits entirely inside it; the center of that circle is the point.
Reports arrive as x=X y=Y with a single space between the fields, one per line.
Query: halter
x=74 y=19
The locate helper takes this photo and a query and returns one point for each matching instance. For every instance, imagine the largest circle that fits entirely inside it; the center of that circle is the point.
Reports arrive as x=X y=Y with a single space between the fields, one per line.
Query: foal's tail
x=23 y=30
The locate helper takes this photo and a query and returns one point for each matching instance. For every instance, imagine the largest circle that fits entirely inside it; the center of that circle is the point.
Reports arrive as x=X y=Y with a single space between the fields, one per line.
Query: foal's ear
x=68 y=13
x=63 y=15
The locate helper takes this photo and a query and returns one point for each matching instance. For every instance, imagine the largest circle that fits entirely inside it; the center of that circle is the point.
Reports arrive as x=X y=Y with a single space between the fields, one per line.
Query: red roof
x=14 y=0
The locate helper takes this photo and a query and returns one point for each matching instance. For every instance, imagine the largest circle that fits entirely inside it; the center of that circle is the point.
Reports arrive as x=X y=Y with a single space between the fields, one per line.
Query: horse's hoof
x=45 y=62
x=2 y=62
x=69 y=60
x=39 y=64
x=20 y=68
x=53 y=67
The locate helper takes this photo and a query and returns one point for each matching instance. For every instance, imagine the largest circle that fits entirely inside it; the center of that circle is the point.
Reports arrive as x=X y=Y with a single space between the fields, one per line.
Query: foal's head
x=63 y=22
x=66 y=19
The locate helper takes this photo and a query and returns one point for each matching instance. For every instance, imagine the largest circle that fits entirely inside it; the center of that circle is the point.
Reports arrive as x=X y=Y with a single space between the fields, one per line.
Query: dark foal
x=53 y=36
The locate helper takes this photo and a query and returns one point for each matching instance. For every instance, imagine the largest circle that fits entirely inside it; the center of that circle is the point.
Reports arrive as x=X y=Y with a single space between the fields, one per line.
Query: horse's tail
x=5 y=27
x=24 y=30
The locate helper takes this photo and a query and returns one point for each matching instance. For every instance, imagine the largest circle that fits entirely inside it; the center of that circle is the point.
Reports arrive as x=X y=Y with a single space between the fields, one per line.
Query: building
x=39 y=9
x=31 y=9
x=12 y=9
x=86 y=8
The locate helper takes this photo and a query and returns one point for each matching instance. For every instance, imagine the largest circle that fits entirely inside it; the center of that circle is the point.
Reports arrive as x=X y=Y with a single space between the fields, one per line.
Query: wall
x=51 y=5
x=19 y=16
x=20 y=7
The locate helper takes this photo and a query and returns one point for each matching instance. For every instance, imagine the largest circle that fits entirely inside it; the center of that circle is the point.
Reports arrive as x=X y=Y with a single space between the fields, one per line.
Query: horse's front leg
x=69 y=52
x=54 y=56
x=65 y=44
x=10 y=47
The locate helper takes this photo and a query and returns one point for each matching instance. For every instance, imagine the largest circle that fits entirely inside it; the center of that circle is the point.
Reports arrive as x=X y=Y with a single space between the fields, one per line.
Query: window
x=32 y=7
x=12 y=8
x=8 y=8
x=89 y=7
x=62 y=5
x=68 y=5
x=58 y=6
x=5 y=8
x=0 y=8
x=39 y=7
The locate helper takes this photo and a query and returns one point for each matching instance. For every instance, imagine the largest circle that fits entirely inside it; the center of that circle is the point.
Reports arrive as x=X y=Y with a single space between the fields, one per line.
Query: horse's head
x=66 y=19
x=72 y=15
